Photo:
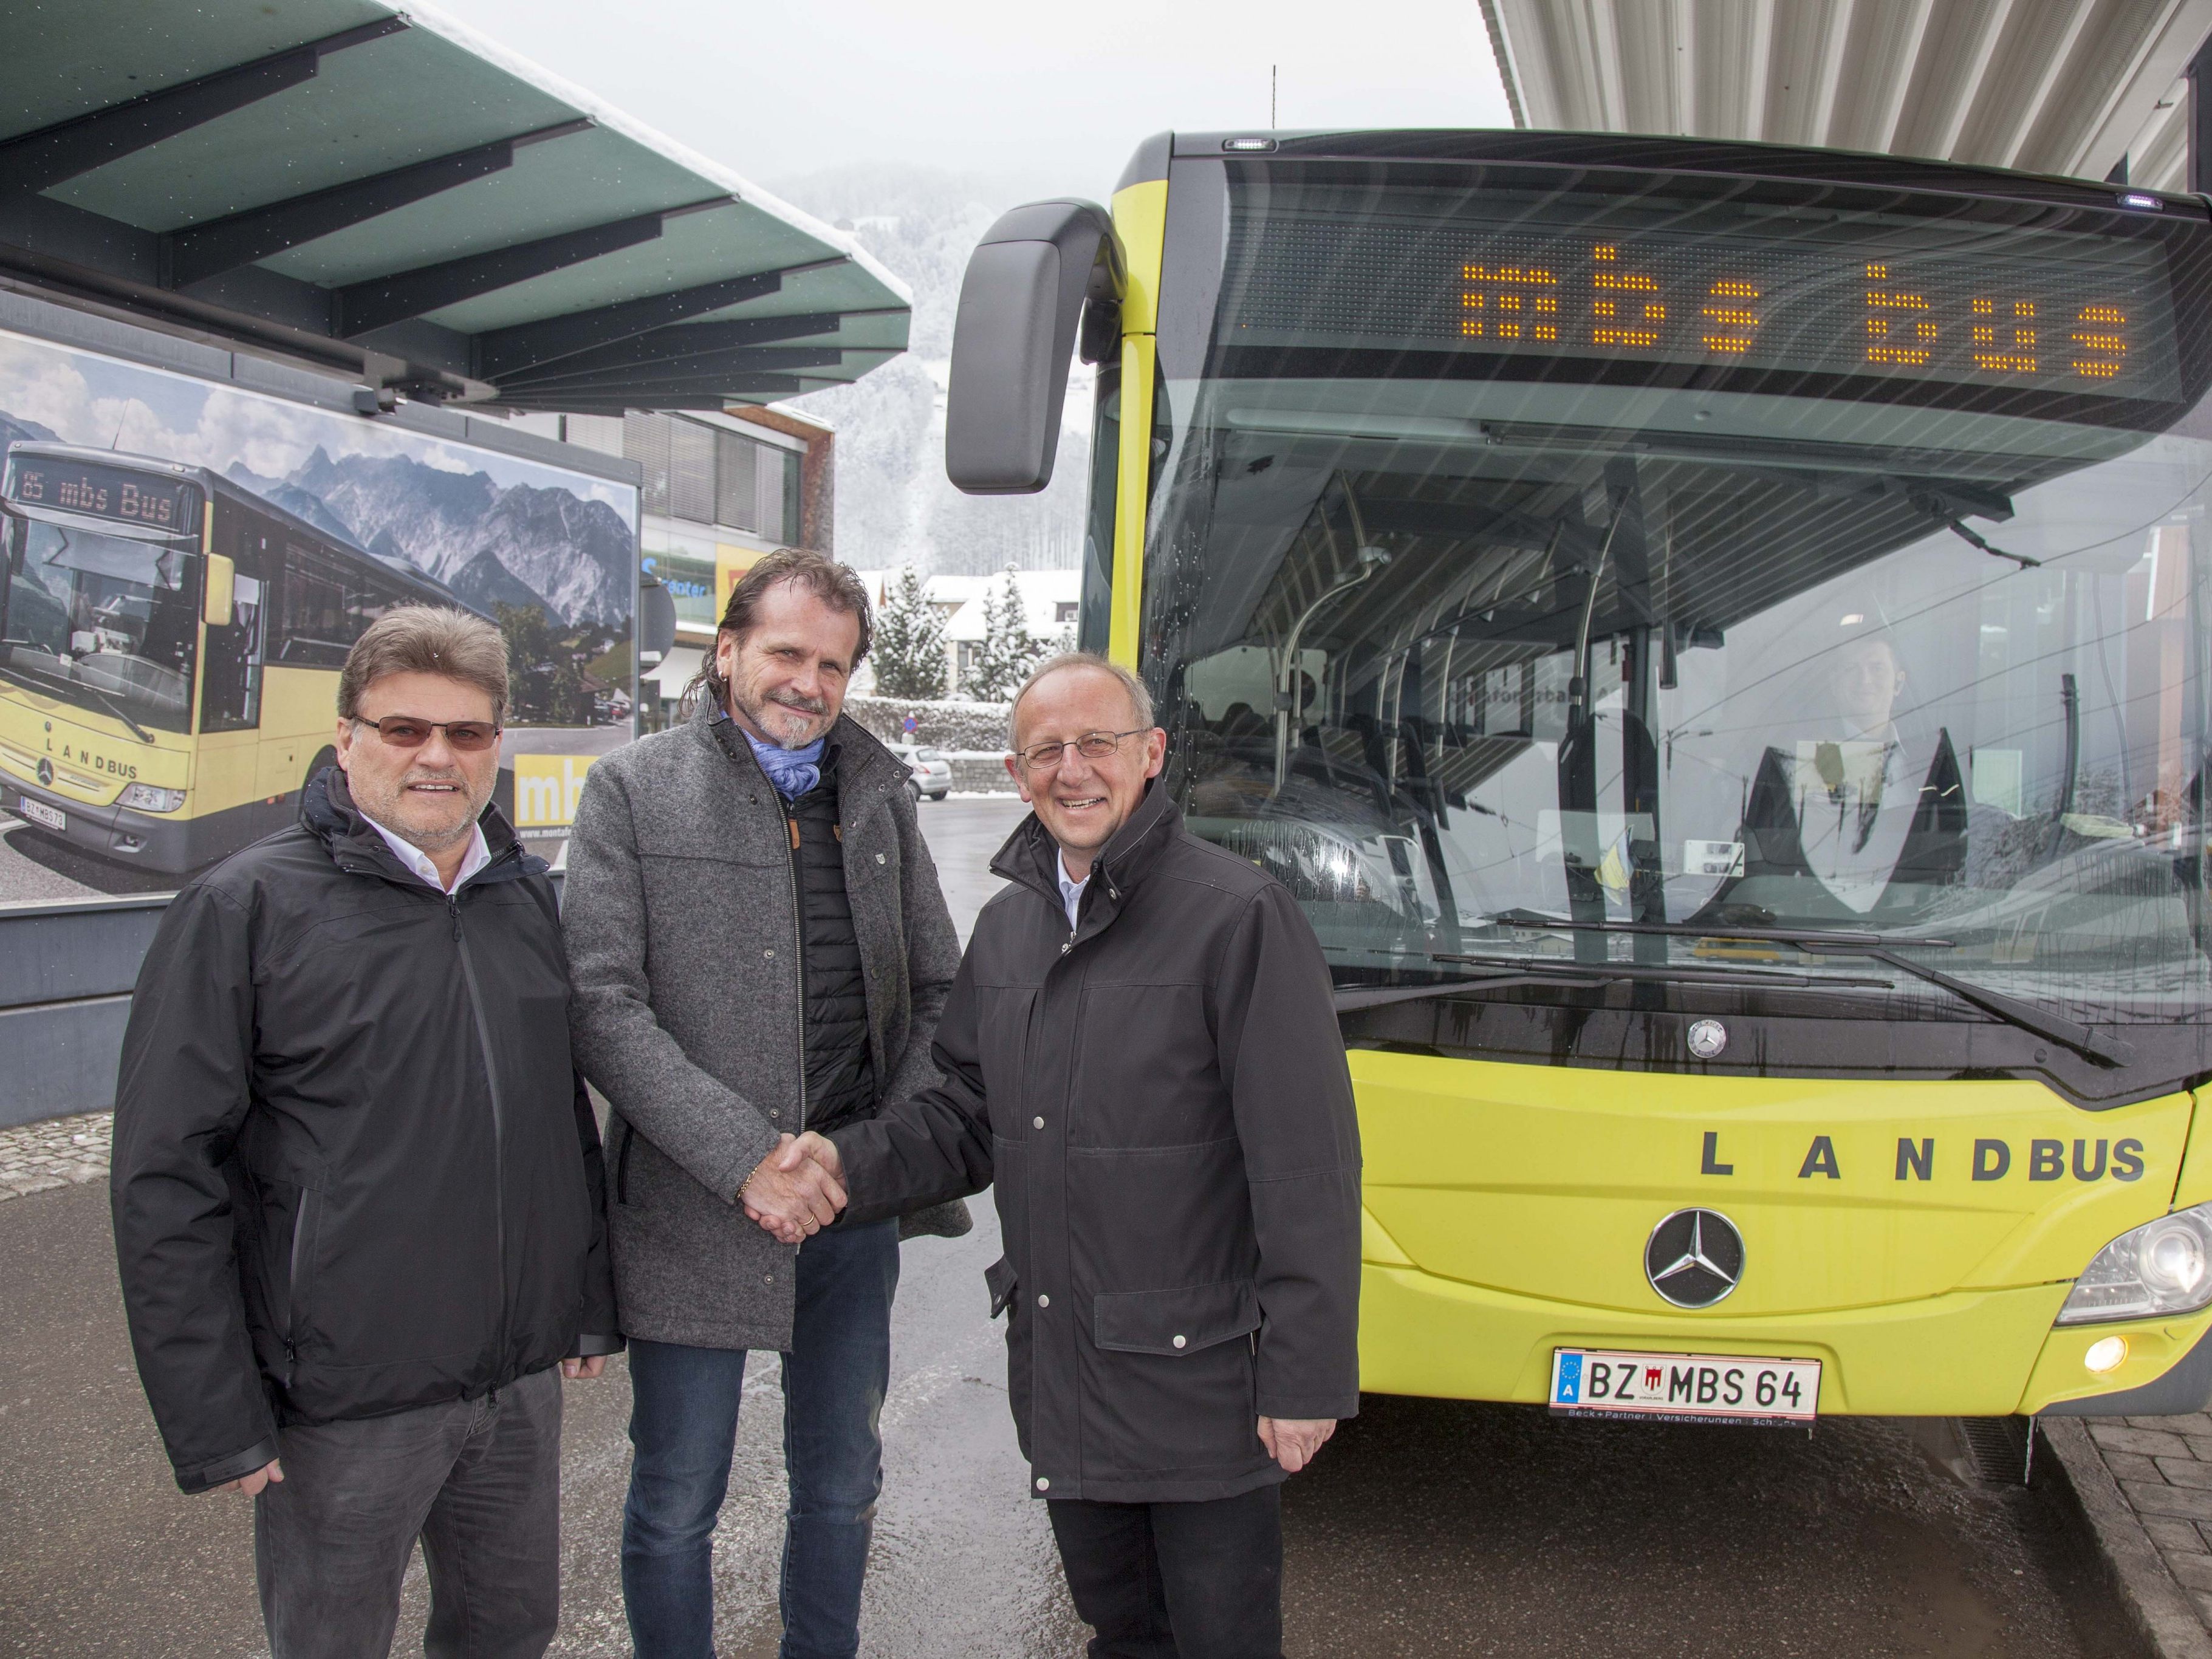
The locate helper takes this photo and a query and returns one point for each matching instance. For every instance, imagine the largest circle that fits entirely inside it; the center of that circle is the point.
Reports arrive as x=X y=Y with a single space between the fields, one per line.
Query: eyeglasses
x=405 y=731
x=1092 y=745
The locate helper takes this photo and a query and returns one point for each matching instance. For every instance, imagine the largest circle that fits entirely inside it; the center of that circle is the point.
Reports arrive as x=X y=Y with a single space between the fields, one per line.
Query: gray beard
x=758 y=714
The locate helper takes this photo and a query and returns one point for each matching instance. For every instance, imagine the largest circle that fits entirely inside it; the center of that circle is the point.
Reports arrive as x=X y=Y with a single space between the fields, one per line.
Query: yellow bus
x=169 y=651
x=1715 y=637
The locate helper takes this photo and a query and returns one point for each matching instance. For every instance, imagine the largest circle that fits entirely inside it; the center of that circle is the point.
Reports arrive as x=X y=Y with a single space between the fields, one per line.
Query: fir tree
x=1009 y=650
x=909 y=648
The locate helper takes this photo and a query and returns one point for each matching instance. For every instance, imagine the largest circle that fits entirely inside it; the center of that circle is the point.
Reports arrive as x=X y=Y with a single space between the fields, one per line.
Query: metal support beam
x=38 y=160
x=381 y=301
x=505 y=351
x=209 y=249
x=685 y=341
x=700 y=372
x=599 y=403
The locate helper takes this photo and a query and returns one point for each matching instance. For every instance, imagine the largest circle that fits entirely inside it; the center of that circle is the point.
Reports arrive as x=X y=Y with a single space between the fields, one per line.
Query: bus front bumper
x=1968 y=1353
x=145 y=839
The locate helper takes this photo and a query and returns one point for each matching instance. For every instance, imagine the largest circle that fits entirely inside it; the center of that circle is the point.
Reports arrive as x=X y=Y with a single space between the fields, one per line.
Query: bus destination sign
x=99 y=490
x=2044 y=311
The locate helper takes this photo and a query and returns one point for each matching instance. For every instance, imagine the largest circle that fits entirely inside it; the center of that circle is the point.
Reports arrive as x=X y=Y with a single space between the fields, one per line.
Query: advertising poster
x=187 y=564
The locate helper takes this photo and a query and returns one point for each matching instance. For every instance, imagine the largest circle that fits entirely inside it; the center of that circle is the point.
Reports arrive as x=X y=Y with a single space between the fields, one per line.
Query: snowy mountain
x=893 y=504
x=543 y=545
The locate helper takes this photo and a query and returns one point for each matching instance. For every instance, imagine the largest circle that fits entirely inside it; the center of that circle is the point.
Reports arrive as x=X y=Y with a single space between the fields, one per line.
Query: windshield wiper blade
x=116 y=709
x=1883 y=948
x=1521 y=970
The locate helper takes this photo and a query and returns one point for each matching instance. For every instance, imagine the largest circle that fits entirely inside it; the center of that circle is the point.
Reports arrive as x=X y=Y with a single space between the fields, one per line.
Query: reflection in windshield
x=1449 y=688
x=104 y=622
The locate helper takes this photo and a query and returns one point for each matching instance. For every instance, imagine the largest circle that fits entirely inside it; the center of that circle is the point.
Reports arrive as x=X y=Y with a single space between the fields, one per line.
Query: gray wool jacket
x=684 y=943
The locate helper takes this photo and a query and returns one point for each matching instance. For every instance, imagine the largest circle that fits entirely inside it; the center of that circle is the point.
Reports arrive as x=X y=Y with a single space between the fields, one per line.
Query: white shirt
x=416 y=859
x=1071 y=890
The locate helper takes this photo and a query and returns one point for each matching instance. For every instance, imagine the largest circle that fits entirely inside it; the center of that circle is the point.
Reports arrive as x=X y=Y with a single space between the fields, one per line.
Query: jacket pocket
x=1186 y=1321
x=1002 y=1281
x=621 y=1164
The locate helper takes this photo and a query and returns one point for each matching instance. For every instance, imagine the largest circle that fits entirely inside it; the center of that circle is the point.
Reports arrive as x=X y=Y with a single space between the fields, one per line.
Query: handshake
x=797 y=1190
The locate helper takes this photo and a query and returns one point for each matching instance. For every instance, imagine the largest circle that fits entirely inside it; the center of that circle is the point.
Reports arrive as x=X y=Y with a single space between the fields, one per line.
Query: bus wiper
x=1520 y=971
x=1883 y=948
x=116 y=709
x=106 y=702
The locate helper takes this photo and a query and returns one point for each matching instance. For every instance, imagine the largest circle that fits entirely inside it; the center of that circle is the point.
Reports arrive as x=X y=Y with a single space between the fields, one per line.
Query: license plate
x=1684 y=1388
x=39 y=812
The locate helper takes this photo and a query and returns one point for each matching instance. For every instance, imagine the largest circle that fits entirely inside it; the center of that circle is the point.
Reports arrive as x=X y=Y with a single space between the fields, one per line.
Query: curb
x=2156 y=1605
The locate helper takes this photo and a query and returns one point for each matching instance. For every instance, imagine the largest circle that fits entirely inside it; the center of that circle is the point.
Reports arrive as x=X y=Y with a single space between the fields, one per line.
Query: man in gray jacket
x=759 y=946
x=1142 y=1053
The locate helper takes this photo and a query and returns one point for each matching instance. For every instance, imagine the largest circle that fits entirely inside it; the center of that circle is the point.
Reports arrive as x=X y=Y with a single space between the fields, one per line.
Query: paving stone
x=2194 y=1572
x=2175 y=1536
x=56 y=1152
x=2203 y=1602
x=2182 y=1472
x=2133 y=1466
x=2147 y=1499
x=2185 y=1423
x=2112 y=1437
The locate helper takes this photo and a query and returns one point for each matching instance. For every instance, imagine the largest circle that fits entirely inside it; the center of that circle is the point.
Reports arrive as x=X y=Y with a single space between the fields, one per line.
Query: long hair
x=835 y=585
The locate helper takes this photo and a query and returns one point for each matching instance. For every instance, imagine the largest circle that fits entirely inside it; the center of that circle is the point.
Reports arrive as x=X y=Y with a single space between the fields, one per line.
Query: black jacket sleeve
x=183 y=1091
x=598 y=1332
x=933 y=1146
x=1282 y=1060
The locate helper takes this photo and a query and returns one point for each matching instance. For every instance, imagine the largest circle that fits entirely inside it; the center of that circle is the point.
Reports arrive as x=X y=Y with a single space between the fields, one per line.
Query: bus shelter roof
x=388 y=193
x=2067 y=86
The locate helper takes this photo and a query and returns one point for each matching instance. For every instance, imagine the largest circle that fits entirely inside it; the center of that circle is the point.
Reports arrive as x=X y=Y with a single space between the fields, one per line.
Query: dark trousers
x=1177 y=1581
x=683 y=1428
x=477 y=1481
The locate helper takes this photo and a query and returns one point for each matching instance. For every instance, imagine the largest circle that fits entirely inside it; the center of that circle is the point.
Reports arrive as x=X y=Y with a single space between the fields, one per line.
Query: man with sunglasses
x=359 y=1204
x=1141 y=1052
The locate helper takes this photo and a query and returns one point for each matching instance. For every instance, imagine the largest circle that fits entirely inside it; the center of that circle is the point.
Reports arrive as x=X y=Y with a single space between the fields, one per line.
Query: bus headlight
x=148 y=798
x=2163 y=1267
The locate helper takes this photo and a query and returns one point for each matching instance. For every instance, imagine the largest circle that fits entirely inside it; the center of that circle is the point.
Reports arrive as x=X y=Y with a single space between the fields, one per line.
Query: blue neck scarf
x=793 y=771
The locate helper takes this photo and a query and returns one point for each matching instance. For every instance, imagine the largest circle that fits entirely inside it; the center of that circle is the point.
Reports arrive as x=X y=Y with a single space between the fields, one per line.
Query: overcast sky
x=1056 y=96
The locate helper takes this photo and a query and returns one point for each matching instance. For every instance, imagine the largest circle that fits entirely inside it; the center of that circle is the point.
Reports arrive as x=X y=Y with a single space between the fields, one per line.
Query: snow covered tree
x=1008 y=650
x=908 y=648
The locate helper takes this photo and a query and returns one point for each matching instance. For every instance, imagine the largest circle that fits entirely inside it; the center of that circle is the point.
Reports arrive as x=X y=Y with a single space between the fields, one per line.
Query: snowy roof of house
x=1043 y=591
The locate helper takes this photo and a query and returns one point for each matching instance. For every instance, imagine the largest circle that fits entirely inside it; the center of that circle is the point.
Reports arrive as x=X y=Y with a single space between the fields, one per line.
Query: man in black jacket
x=1141 y=1051
x=359 y=1206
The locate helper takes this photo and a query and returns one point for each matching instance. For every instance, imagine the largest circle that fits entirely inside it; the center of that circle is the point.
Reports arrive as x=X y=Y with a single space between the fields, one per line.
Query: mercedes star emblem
x=46 y=772
x=1694 y=1258
x=1707 y=1038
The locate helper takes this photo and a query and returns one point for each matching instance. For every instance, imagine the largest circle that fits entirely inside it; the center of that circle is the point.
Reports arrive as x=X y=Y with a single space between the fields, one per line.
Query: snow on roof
x=1043 y=591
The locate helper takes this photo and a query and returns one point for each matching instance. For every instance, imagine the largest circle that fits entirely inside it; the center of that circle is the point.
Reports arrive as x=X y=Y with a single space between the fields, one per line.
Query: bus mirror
x=656 y=621
x=222 y=579
x=1028 y=286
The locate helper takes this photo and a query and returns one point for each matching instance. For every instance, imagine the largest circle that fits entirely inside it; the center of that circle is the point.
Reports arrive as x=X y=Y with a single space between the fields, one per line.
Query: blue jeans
x=683 y=1428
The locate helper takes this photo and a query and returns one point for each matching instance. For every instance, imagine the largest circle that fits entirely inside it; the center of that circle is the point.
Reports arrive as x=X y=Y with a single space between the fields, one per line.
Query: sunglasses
x=405 y=731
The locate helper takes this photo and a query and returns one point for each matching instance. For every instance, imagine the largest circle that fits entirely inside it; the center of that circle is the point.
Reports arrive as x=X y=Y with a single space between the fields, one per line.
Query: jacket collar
x=865 y=770
x=1031 y=858
x=328 y=813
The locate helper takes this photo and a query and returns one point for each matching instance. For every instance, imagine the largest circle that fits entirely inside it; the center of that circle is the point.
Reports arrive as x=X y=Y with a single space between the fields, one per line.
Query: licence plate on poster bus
x=39 y=812
x=1684 y=1387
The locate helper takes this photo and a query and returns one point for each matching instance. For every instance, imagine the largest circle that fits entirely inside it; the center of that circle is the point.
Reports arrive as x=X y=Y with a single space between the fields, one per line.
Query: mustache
x=803 y=705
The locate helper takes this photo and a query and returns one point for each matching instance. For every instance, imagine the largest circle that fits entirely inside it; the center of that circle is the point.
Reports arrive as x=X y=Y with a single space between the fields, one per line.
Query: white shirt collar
x=1071 y=890
x=478 y=855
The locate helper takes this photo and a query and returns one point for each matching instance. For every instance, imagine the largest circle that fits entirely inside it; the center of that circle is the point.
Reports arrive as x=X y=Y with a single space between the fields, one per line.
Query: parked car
x=929 y=774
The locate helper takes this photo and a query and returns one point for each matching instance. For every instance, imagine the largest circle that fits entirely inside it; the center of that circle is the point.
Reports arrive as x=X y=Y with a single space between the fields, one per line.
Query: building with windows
x=720 y=489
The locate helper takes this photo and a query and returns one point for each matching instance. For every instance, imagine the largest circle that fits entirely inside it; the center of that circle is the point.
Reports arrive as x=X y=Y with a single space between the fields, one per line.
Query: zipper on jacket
x=498 y=1115
x=295 y=1275
x=797 y=936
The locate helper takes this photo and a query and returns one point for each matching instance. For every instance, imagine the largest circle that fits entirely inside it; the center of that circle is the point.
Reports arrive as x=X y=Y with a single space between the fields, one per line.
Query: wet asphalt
x=1426 y=1528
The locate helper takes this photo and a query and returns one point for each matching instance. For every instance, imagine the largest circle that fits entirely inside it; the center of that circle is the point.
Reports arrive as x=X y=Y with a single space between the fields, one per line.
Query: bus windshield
x=104 y=622
x=1543 y=571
